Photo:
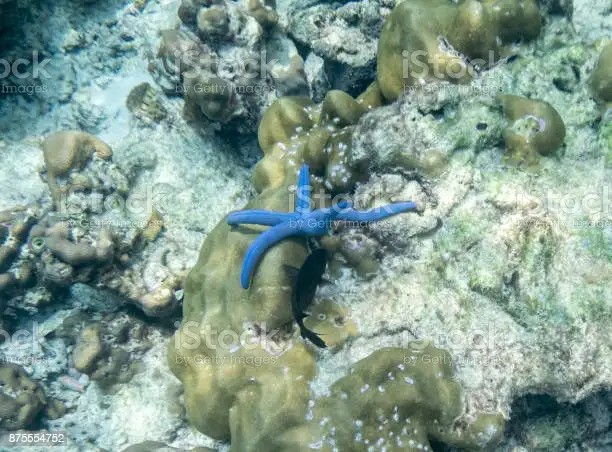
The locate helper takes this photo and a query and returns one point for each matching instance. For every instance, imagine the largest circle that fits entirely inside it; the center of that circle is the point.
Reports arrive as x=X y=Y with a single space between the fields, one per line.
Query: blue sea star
x=304 y=222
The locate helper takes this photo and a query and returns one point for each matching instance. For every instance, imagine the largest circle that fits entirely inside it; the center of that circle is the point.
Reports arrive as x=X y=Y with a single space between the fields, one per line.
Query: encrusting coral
x=400 y=399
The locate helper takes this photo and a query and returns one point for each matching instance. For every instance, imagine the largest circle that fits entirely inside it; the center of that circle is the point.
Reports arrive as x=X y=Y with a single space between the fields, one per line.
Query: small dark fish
x=307 y=279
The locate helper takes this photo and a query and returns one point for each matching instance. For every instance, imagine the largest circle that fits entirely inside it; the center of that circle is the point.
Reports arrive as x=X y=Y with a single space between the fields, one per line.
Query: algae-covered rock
x=344 y=35
x=425 y=40
x=535 y=128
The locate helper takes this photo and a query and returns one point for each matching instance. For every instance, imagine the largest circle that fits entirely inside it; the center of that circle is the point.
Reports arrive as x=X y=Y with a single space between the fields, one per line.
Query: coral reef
x=431 y=146
x=228 y=85
x=92 y=232
x=229 y=378
x=508 y=270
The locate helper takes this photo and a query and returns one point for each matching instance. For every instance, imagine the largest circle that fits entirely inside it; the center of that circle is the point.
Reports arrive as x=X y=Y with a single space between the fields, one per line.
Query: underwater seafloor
x=481 y=320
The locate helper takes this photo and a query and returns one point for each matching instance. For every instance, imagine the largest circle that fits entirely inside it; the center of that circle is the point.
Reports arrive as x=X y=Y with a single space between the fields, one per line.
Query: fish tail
x=312 y=336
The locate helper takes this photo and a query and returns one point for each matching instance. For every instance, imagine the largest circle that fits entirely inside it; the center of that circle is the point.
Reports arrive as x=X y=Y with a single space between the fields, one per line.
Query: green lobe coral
x=400 y=399
x=70 y=150
x=425 y=40
x=245 y=372
x=246 y=376
x=601 y=79
x=535 y=128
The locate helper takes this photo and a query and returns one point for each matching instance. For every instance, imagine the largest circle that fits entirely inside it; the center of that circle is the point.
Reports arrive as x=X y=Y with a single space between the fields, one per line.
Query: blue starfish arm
x=261 y=217
x=260 y=245
x=377 y=214
x=319 y=222
x=302 y=204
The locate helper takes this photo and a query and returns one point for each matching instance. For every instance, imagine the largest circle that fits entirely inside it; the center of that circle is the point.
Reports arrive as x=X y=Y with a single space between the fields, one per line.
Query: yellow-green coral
x=208 y=95
x=21 y=399
x=601 y=79
x=294 y=131
x=424 y=40
x=213 y=373
x=213 y=21
x=68 y=150
x=535 y=128
x=263 y=12
x=400 y=399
